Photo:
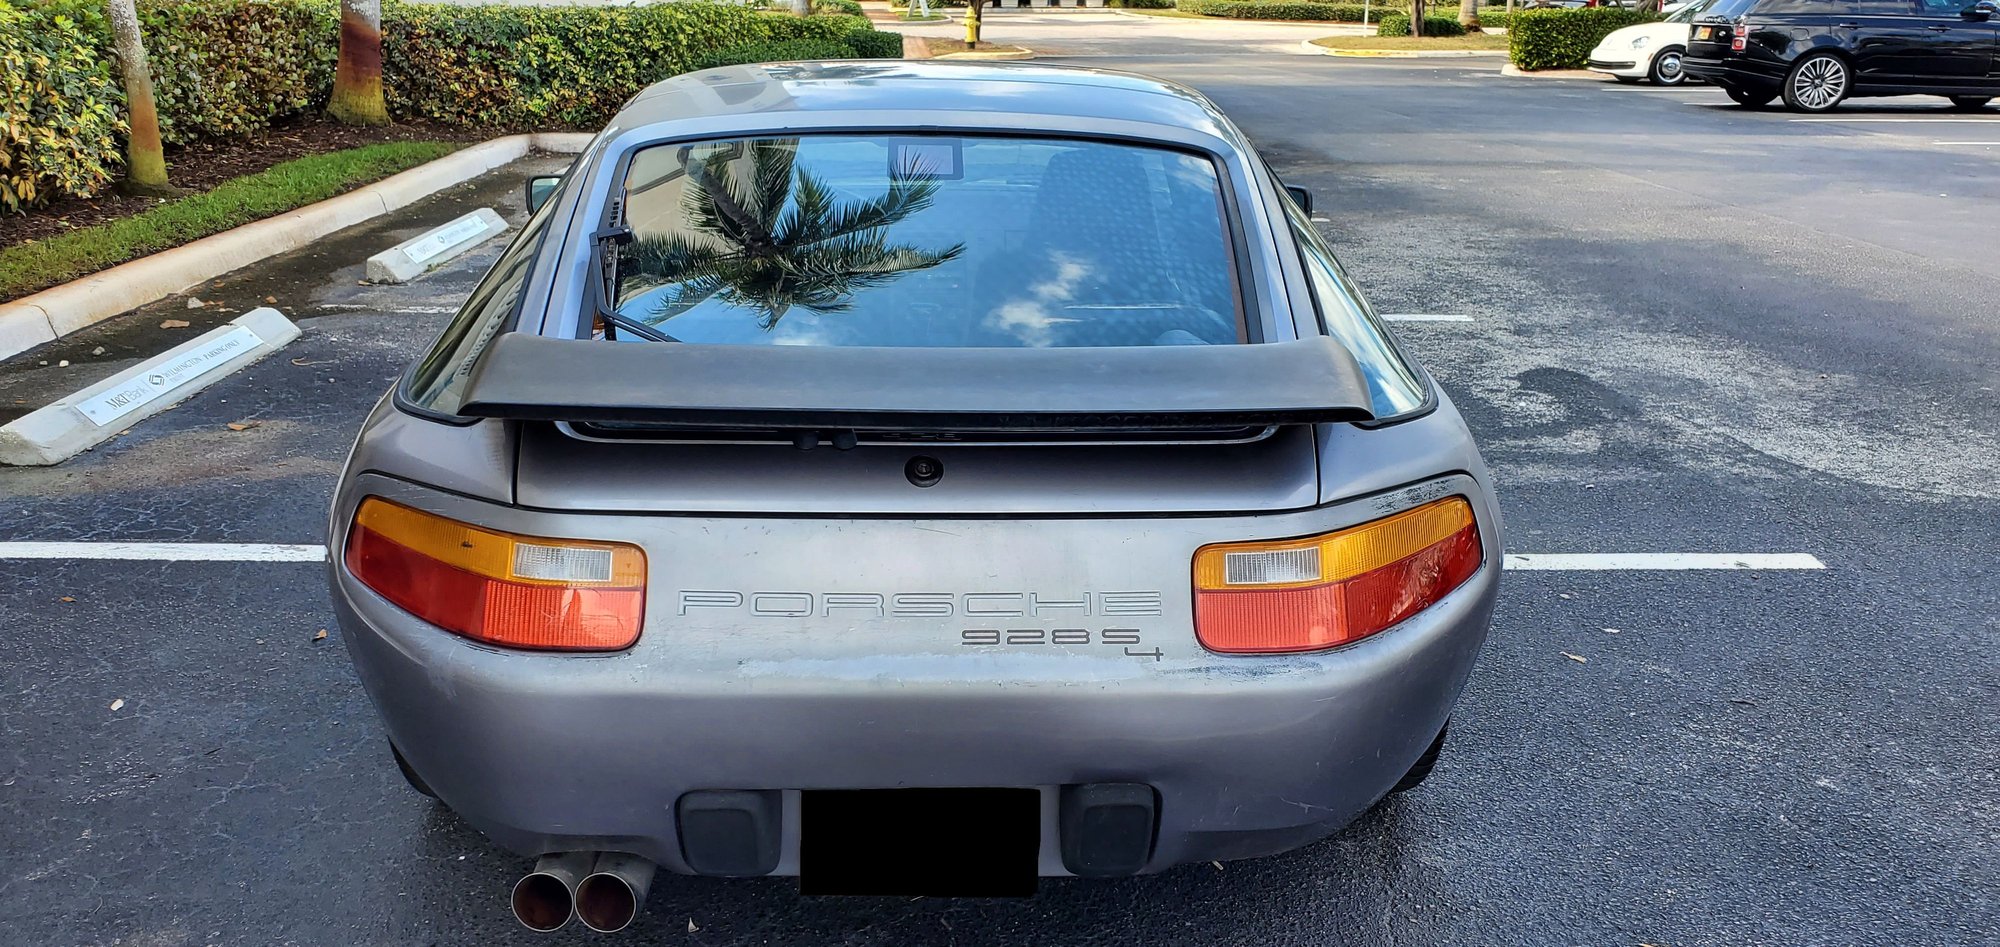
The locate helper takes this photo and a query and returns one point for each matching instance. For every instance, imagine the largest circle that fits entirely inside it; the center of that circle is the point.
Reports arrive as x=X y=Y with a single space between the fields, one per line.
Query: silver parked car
x=917 y=478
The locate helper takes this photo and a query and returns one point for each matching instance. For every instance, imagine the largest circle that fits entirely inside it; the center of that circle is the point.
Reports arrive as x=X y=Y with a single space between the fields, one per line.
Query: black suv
x=1817 y=52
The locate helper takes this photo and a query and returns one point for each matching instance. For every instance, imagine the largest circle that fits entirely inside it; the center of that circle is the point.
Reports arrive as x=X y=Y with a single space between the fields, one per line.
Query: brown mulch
x=205 y=164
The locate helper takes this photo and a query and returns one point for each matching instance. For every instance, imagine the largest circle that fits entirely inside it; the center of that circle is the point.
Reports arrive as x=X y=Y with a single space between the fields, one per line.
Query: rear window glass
x=1730 y=9
x=940 y=241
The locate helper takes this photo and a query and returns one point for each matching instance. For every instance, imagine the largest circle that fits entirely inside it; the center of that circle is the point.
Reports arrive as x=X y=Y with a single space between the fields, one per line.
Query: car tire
x=1969 y=103
x=1421 y=769
x=1749 y=98
x=409 y=775
x=1666 y=67
x=1818 y=83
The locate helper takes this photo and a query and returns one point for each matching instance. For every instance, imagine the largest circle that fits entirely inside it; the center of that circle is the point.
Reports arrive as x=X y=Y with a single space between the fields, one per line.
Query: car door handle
x=1847 y=26
x=1938 y=29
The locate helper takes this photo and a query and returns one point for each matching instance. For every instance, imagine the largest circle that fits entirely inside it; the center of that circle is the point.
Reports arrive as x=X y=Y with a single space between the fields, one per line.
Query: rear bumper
x=1249 y=755
x=1736 y=71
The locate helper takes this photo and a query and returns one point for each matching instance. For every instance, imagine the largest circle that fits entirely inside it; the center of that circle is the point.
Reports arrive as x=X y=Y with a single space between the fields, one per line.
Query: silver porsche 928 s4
x=916 y=478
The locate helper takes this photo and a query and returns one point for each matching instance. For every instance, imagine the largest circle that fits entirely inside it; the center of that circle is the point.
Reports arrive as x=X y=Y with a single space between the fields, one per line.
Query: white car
x=1648 y=50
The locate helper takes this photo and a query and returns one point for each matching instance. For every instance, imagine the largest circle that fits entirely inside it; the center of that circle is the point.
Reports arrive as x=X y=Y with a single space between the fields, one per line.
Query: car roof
x=941 y=89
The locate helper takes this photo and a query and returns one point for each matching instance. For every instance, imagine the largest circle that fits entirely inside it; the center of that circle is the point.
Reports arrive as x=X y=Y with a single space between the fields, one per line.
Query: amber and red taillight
x=499 y=588
x=1324 y=591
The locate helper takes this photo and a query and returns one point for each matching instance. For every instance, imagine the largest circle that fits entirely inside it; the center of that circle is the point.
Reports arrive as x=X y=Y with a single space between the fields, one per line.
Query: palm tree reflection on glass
x=775 y=237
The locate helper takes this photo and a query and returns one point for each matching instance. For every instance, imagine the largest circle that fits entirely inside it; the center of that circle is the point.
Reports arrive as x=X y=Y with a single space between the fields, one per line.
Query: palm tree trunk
x=145 y=157
x=1468 y=15
x=1416 y=17
x=802 y=7
x=357 y=80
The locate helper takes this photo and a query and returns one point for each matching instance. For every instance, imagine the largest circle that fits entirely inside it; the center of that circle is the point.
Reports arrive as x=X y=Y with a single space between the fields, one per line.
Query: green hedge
x=848 y=7
x=1398 y=24
x=233 y=67
x=59 y=114
x=1142 y=4
x=876 y=44
x=1283 y=9
x=1563 y=39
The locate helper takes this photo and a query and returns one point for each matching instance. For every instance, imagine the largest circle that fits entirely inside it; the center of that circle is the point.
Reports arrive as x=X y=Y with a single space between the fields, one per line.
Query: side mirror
x=1301 y=197
x=539 y=188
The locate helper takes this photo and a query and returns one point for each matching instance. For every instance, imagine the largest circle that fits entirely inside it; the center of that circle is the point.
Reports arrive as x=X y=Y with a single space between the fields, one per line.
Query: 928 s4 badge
x=1128 y=638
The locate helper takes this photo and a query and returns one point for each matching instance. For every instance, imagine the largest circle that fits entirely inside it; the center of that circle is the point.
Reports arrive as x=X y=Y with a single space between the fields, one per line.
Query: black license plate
x=920 y=842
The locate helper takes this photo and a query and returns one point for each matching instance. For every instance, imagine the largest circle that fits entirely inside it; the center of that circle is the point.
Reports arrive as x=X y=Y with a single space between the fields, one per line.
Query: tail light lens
x=1742 y=32
x=502 y=589
x=1324 y=591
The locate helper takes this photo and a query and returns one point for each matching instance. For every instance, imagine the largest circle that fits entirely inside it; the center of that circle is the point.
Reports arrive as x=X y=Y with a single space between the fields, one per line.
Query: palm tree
x=1468 y=15
x=777 y=238
x=145 y=159
x=357 y=75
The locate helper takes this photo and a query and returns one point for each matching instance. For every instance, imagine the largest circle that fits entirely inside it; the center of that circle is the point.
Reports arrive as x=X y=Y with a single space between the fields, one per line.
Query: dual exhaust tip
x=602 y=889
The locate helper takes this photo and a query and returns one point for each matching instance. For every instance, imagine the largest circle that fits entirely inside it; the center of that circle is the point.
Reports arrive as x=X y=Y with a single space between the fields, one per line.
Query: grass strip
x=39 y=264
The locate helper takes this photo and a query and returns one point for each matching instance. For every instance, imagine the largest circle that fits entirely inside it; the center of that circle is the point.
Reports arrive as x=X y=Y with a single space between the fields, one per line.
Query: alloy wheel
x=1819 y=84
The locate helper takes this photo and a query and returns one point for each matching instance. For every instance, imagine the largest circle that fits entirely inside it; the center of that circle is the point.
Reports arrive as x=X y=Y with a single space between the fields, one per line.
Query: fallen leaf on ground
x=691 y=927
x=174 y=323
x=63 y=364
x=301 y=361
x=320 y=635
x=194 y=303
x=270 y=299
x=243 y=425
x=1562 y=595
x=1580 y=659
x=97 y=351
x=67 y=598
x=116 y=704
x=1611 y=631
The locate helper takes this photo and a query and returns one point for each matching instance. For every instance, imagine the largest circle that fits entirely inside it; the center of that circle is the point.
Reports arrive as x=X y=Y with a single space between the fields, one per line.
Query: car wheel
x=1817 y=83
x=1666 y=69
x=409 y=775
x=1969 y=103
x=1421 y=769
x=1749 y=98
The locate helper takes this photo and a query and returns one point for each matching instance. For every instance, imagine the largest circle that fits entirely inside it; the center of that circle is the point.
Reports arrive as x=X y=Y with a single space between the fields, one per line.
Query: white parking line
x=279 y=552
x=1889 y=121
x=400 y=310
x=167 y=552
x=1660 y=561
x=1966 y=143
x=1425 y=317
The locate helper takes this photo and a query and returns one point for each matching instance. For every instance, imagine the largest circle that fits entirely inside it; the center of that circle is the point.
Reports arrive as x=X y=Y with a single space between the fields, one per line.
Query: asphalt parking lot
x=1675 y=328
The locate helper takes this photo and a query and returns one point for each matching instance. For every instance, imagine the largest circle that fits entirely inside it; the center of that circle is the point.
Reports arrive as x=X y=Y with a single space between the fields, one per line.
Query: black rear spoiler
x=973 y=390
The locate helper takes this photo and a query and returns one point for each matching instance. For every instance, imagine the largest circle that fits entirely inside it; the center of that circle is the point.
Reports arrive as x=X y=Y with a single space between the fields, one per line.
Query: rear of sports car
x=920 y=513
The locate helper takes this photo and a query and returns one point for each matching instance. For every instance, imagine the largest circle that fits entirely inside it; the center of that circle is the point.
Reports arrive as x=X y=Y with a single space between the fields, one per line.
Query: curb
x=68 y=427
x=53 y=313
x=1311 y=46
x=1512 y=70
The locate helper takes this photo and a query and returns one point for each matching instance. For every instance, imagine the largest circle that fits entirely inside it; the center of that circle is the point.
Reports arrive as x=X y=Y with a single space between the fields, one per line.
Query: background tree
x=357 y=80
x=1648 y=6
x=1417 y=12
x=802 y=7
x=1468 y=14
x=145 y=158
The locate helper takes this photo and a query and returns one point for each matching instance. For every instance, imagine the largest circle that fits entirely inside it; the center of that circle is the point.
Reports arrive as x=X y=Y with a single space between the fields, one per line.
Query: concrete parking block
x=435 y=247
x=94 y=415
